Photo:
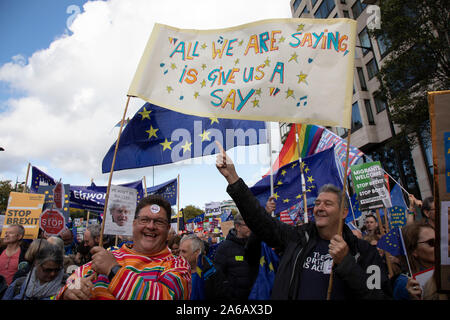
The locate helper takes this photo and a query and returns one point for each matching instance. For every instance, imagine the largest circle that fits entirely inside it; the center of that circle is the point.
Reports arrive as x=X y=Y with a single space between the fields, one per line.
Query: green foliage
x=417 y=34
x=5 y=188
x=191 y=211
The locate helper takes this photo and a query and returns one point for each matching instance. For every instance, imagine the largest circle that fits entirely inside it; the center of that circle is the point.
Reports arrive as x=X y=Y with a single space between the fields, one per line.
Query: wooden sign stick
x=111 y=172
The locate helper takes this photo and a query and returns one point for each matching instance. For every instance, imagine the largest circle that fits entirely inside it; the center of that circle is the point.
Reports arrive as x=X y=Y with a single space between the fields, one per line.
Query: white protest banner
x=285 y=70
x=120 y=211
x=212 y=208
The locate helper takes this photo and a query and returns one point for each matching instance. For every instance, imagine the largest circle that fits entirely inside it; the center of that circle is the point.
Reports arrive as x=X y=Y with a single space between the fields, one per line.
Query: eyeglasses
x=157 y=222
x=50 y=270
x=430 y=242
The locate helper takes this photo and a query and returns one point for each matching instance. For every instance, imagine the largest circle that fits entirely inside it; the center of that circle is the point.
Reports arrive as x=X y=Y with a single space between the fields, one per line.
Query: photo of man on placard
x=119 y=214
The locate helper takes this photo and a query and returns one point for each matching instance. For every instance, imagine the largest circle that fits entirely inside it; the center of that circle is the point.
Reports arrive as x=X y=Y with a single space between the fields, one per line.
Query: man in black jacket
x=314 y=250
x=230 y=260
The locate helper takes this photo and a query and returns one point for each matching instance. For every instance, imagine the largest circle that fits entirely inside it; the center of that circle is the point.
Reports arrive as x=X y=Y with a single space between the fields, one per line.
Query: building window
x=296 y=4
x=324 y=9
x=369 y=111
x=380 y=104
x=284 y=131
x=383 y=45
x=346 y=14
x=356 y=117
x=343 y=1
x=305 y=11
x=362 y=80
x=313 y=3
x=358 y=8
x=372 y=68
x=364 y=39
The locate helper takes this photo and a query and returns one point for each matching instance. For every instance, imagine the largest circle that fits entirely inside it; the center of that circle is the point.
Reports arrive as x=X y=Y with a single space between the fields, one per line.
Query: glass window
x=362 y=80
x=369 y=111
x=356 y=117
x=346 y=14
x=358 y=8
x=380 y=104
x=383 y=45
x=364 y=39
x=324 y=9
x=296 y=4
x=305 y=10
x=372 y=68
x=313 y=3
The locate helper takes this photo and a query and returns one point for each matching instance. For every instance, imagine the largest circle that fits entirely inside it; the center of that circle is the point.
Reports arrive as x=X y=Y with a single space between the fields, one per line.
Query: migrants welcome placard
x=285 y=70
x=24 y=209
x=370 y=186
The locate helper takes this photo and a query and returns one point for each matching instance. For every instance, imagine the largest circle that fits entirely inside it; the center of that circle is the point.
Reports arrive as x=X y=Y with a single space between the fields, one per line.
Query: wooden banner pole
x=178 y=203
x=341 y=210
x=111 y=172
x=26 y=179
x=145 y=187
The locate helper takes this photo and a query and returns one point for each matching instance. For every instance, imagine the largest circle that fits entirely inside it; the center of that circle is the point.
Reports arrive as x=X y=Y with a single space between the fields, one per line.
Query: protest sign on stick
x=24 y=209
x=282 y=70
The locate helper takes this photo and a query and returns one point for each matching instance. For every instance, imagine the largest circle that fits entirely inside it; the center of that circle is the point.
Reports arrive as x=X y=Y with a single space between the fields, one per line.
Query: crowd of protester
x=158 y=263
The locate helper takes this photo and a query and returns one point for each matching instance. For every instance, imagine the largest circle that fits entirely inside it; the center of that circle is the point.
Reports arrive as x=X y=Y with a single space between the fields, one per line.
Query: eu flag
x=268 y=265
x=156 y=136
x=318 y=169
x=38 y=177
x=392 y=242
x=354 y=212
x=167 y=189
x=397 y=213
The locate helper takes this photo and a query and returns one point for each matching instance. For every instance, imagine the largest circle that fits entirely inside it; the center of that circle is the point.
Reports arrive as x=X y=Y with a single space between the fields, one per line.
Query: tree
x=5 y=189
x=191 y=211
x=417 y=34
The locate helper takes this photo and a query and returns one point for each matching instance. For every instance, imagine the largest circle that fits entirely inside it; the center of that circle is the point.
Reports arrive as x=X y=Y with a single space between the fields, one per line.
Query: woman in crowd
x=44 y=280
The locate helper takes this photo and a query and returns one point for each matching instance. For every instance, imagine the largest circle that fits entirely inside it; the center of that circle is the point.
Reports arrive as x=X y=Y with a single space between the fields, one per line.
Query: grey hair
x=196 y=243
x=238 y=219
x=21 y=229
x=95 y=230
x=56 y=241
x=331 y=188
x=50 y=253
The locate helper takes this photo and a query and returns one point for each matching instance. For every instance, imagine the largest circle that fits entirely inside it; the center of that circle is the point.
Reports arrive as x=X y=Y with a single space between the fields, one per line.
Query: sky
x=65 y=69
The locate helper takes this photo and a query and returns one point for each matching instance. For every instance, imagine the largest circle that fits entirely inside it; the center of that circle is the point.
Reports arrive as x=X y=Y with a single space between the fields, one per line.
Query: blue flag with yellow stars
x=354 y=212
x=268 y=266
x=392 y=242
x=38 y=177
x=318 y=169
x=397 y=213
x=156 y=136
x=167 y=189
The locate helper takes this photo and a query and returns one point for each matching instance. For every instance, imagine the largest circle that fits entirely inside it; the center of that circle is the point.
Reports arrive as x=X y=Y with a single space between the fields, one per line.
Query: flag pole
x=111 y=172
x=341 y=210
x=388 y=261
x=178 y=203
x=305 y=209
x=406 y=252
x=145 y=186
x=269 y=138
x=26 y=179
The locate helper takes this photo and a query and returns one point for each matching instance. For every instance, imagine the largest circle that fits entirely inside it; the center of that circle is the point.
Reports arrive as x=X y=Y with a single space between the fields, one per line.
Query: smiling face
x=119 y=215
x=150 y=230
x=326 y=214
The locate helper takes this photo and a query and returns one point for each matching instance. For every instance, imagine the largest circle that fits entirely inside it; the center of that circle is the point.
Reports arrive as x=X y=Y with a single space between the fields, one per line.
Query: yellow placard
x=24 y=209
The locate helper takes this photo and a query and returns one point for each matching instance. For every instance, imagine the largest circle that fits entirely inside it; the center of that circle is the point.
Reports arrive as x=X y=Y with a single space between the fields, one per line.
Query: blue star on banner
x=397 y=213
x=392 y=242
x=319 y=169
x=167 y=189
x=156 y=136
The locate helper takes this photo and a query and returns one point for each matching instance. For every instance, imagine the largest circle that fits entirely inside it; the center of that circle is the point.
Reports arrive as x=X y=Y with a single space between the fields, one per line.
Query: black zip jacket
x=298 y=241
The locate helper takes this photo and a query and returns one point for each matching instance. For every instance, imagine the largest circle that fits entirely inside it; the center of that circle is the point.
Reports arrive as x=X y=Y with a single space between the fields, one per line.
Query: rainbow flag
x=309 y=137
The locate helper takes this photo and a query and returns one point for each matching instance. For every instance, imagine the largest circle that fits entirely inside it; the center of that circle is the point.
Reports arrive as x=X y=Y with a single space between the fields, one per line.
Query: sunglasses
x=430 y=242
x=50 y=270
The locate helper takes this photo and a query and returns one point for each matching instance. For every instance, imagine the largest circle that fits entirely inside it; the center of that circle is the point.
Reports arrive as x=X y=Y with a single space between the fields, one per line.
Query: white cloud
x=75 y=90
